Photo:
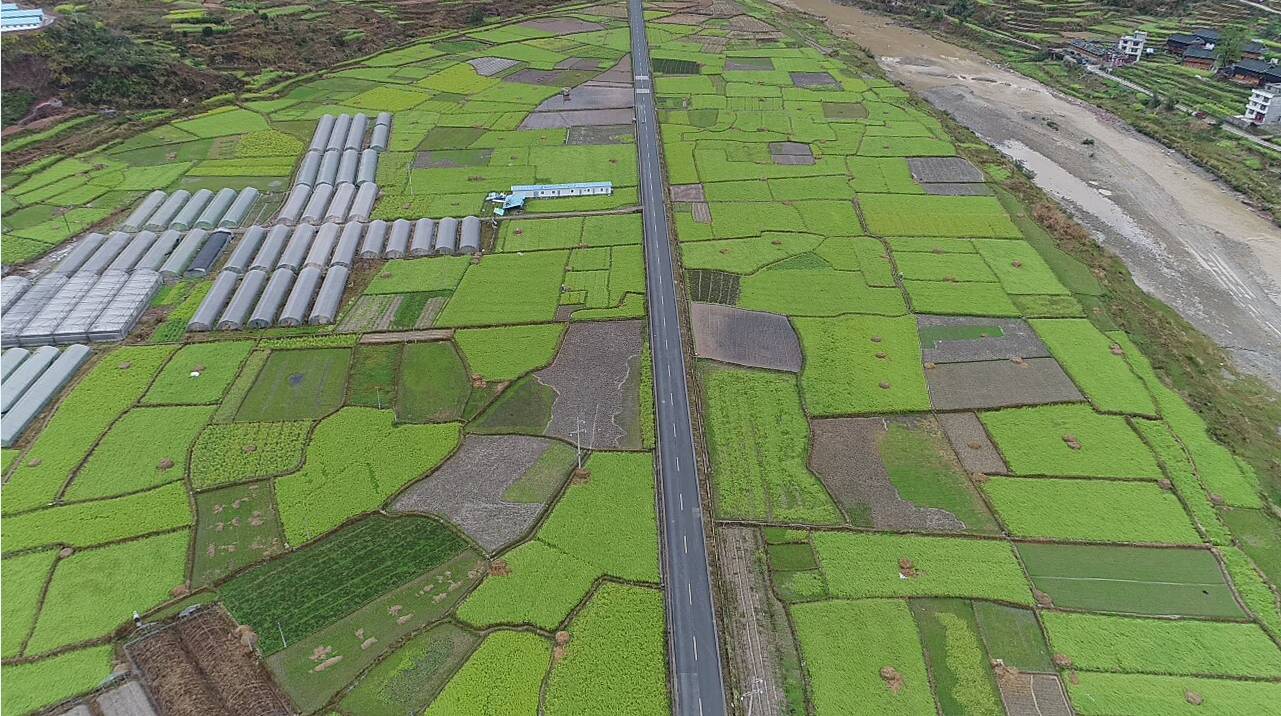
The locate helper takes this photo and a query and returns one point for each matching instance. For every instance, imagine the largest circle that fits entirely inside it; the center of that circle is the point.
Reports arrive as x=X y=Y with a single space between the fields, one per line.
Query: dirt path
x=1187 y=239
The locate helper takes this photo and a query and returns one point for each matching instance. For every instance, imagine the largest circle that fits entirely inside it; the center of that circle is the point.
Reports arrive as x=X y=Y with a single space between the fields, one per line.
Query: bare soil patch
x=198 y=666
x=578 y=63
x=490 y=66
x=442 y=334
x=688 y=192
x=468 y=489
x=944 y=170
x=961 y=339
x=561 y=25
x=796 y=148
x=547 y=78
x=582 y=118
x=845 y=456
x=588 y=96
x=971 y=444
x=748 y=64
x=683 y=19
x=813 y=79
x=750 y=338
x=447 y=159
x=999 y=384
x=956 y=189
x=596 y=377
x=753 y=648
x=603 y=134
x=702 y=212
x=1033 y=695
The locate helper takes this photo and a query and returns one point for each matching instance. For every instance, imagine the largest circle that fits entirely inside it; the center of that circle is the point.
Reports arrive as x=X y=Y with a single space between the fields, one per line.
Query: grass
x=1096 y=642
x=354 y=642
x=1152 y=695
x=1087 y=357
x=958 y=662
x=87 y=598
x=235 y=527
x=921 y=215
x=311 y=588
x=501 y=677
x=924 y=470
x=338 y=482
x=858 y=365
x=863 y=565
x=508 y=352
x=616 y=660
x=1034 y=441
x=115 y=383
x=433 y=386
x=198 y=374
x=297 y=385
x=372 y=383
x=33 y=686
x=442 y=273
x=237 y=452
x=411 y=675
x=24 y=580
x=1090 y=511
x=507 y=289
x=1132 y=580
x=85 y=524
x=1013 y=636
x=524 y=407
x=770 y=480
x=1259 y=535
x=844 y=680
x=145 y=448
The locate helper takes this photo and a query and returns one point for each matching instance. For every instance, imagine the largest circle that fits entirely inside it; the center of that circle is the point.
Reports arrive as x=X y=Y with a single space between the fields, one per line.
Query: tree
x=962 y=10
x=1234 y=38
x=206 y=31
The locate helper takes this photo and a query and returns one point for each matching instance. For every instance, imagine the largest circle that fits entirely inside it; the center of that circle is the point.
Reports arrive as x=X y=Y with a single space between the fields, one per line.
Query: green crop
x=1069 y=440
x=846 y=681
x=957 y=659
x=1152 y=695
x=85 y=524
x=87 y=597
x=771 y=481
x=20 y=591
x=297 y=385
x=856 y=365
x=32 y=686
x=502 y=676
x=145 y=448
x=411 y=675
x=237 y=452
x=442 y=273
x=1103 y=375
x=199 y=374
x=859 y=565
x=507 y=289
x=511 y=351
x=354 y=565
x=115 y=383
x=1090 y=511
x=543 y=586
x=616 y=659
x=1097 y=642
x=356 y=459
x=960 y=299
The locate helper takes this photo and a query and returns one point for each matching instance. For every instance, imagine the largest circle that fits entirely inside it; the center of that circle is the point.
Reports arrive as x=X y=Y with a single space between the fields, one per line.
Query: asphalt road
x=693 y=648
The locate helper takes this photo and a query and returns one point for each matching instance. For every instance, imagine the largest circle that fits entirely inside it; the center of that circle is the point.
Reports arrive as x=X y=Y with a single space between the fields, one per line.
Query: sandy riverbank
x=1187 y=239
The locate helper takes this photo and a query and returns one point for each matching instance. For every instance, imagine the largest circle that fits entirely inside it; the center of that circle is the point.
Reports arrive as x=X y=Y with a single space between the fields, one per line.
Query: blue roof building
x=14 y=18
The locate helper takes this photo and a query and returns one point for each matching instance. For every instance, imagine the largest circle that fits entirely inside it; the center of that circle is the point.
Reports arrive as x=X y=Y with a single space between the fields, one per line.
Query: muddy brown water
x=1187 y=238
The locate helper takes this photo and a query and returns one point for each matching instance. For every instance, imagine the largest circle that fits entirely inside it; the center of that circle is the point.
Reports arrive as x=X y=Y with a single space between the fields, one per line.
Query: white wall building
x=1132 y=45
x=1264 y=106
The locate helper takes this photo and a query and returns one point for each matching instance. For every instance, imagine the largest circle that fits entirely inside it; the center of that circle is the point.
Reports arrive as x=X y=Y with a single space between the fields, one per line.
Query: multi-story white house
x=1132 y=45
x=1264 y=106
